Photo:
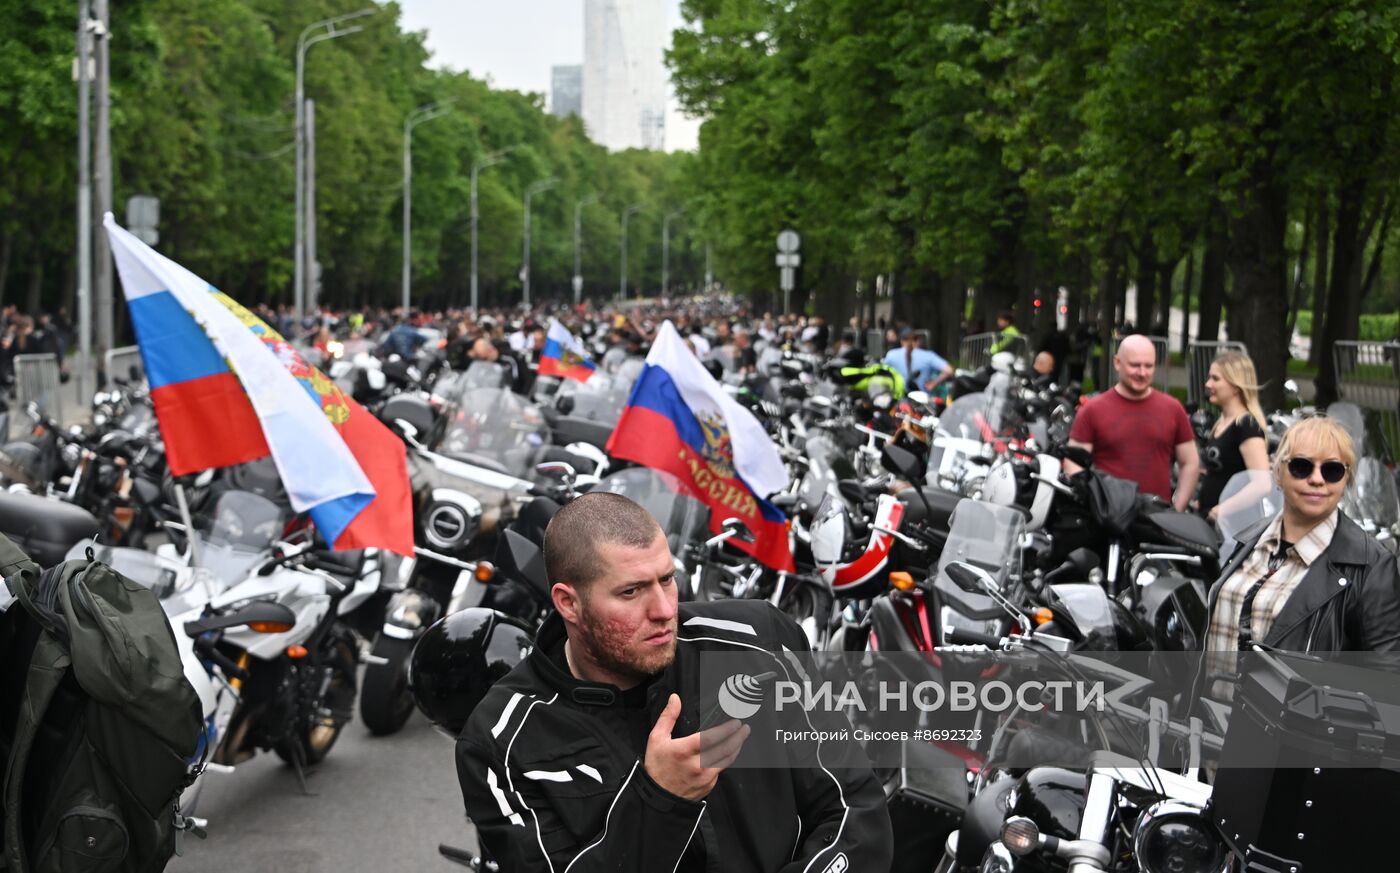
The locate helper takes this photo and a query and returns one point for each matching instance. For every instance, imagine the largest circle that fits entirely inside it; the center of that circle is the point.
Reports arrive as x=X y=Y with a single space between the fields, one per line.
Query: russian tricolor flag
x=227 y=389
x=679 y=419
x=564 y=355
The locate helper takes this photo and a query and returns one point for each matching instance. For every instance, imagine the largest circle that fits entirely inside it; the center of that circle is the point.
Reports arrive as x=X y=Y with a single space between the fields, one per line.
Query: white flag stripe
x=756 y=458
x=313 y=461
x=560 y=334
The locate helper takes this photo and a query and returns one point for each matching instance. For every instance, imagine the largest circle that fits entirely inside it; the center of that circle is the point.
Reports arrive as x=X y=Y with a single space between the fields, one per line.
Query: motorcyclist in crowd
x=593 y=754
x=1309 y=579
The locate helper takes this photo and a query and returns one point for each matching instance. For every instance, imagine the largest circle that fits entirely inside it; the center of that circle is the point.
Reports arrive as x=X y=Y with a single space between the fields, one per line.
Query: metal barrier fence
x=125 y=362
x=1368 y=374
x=875 y=344
x=1199 y=356
x=975 y=350
x=1161 y=378
x=38 y=380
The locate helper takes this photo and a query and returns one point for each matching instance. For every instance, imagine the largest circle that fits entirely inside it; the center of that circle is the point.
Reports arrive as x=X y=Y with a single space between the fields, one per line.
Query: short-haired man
x=1135 y=432
x=585 y=757
x=922 y=369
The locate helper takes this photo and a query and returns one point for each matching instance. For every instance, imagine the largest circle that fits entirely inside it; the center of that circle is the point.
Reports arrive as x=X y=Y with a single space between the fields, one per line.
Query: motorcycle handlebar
x=964 y=637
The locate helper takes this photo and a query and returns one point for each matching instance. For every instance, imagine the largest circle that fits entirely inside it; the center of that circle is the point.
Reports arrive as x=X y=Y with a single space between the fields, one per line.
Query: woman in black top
x=1237 y=441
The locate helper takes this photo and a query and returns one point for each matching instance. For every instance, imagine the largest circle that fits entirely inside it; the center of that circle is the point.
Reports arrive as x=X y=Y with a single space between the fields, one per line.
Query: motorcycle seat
x=1183 y=530
x=941 y=502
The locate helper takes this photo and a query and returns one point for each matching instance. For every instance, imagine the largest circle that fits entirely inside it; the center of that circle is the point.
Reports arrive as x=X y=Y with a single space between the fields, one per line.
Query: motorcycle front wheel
x=385 y=704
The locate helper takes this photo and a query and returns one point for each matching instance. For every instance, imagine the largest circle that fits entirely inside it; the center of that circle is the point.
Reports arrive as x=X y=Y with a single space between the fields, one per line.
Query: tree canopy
x=203 y=118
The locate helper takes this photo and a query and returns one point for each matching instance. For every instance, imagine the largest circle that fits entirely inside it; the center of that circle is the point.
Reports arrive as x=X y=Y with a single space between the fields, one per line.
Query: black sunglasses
x=1332 y=471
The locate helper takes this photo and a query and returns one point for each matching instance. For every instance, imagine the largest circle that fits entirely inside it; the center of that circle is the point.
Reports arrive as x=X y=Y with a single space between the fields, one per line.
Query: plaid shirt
x=1223 y=638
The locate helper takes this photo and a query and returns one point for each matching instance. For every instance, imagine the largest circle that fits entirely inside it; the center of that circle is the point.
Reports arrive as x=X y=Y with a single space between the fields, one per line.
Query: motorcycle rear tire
x=385 y=703
x=315 y=737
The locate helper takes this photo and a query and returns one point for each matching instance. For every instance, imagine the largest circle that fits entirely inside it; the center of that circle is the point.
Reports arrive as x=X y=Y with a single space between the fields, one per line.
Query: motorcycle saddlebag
x=45 y=529
x=926 y=799
x=1329 y=799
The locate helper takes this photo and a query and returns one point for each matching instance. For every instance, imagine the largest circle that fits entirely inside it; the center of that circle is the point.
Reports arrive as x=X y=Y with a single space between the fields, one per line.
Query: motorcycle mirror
x=920 y=397
x=559 y=470
x=262 y=612
x=410 y=433
x=735 y=526
x=901 y=462
x=967 y=577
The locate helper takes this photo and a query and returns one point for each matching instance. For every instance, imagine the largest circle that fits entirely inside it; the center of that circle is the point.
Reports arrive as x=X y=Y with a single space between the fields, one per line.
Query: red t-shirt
x=1134 y=439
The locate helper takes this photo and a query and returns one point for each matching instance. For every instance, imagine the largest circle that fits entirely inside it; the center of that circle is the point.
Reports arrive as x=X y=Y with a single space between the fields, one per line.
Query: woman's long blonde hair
x=1237 y=369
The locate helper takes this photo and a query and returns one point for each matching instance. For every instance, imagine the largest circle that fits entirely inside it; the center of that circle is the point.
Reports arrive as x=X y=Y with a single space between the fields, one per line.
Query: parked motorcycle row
x=922 y=524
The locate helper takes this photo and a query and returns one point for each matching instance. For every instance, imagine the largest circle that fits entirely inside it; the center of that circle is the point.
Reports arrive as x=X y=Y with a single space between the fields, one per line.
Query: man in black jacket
x=585 y=757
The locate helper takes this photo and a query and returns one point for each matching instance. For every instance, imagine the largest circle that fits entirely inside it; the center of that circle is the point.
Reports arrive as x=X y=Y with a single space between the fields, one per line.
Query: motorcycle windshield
x=240 y=529
x=1372 y=500
x=1350 y=417
x=827 y=464
x=987 y=536
x=495 y=429
x=683 y=518
x=1248 y=497
x=971 y=417
x=603 y=397
x=483 y=374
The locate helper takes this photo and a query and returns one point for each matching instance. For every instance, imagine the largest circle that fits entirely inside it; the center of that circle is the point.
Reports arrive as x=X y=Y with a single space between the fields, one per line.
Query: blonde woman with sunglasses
x=1308 y=579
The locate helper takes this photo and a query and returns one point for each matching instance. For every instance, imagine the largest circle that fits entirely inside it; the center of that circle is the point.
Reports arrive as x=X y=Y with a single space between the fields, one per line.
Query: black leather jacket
x=1349 y=601
x=551 y=772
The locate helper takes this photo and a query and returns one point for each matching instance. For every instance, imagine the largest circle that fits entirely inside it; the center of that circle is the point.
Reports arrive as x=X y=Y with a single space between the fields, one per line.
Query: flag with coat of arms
x=680 y=420
x=228 y=389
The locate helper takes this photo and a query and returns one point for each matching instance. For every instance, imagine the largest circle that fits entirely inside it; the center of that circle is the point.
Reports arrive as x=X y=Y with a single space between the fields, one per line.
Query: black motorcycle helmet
x=457 y=661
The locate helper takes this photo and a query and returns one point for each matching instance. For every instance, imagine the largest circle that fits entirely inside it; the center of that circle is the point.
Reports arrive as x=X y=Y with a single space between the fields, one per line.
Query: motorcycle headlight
x=1174 y=837
x=451 y=521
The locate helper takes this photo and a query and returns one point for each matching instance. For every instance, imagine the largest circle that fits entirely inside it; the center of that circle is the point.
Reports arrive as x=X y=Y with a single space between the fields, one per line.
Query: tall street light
x=530 y=191
x=666 y=250
x=622 y=280
x=423 y=113
x=578 y=244
x=477 y=166
x=329 y=28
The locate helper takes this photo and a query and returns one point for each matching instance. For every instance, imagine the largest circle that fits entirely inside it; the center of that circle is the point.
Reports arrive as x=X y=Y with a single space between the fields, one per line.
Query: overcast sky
x=515 y=42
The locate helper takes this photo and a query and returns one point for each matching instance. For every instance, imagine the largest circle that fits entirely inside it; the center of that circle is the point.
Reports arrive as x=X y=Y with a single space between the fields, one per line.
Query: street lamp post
x=578 y=245
x=423 y=113
x=531 y=191
x=329 y=29
x=622 y=281
x=666 y=251
x=477 y=166
x=84 y=218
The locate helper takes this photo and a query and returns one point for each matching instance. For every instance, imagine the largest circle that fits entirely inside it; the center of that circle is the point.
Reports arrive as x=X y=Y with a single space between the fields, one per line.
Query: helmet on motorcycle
x=457 y=661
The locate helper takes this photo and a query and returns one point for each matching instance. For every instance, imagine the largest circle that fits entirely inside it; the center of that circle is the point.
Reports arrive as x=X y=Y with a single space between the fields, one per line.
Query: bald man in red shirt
x=1134 y=432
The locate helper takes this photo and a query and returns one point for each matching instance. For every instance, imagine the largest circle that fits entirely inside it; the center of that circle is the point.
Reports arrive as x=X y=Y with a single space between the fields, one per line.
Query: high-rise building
x=566 y=91
x=625 y=81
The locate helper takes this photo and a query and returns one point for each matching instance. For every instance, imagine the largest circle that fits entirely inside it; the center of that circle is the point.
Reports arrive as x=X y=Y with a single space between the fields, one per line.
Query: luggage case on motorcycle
x=1329 y=799
x=927 y=796
x=43 y=528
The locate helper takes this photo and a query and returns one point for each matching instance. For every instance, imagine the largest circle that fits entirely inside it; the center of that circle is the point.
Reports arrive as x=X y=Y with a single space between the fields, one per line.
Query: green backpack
x=98 y=723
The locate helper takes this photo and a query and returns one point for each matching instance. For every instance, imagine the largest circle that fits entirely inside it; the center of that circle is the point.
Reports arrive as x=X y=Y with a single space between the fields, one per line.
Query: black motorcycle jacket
x=552 y=775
